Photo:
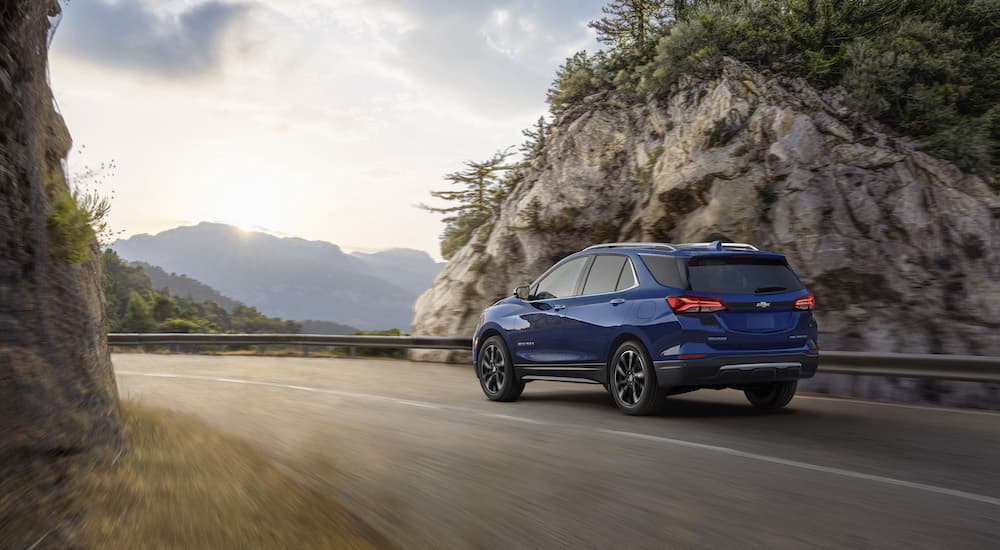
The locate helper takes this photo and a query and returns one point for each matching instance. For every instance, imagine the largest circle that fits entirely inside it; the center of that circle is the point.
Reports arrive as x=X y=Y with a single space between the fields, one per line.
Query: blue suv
x=648 y=320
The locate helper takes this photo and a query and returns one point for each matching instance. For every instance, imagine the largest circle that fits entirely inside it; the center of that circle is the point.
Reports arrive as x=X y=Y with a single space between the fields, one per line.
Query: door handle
x=617 y=301
x=558 y=307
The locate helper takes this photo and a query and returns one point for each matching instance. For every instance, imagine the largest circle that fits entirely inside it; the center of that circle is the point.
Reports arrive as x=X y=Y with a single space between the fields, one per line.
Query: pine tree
x=537 y=136
x=628 y=24
x=575 y=80
x=483 y=186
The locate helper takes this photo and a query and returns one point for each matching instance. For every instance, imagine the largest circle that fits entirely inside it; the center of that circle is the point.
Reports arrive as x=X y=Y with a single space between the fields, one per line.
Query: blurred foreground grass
x=182 y=484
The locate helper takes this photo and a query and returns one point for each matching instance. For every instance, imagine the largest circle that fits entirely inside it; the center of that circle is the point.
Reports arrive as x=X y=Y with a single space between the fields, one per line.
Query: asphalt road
x=417 y=451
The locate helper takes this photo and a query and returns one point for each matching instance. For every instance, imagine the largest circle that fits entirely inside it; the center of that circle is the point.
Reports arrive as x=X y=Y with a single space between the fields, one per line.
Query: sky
x=321 y=119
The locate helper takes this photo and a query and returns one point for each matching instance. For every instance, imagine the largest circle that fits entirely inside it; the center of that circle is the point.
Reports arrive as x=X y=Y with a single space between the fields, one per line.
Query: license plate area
x=760 y=322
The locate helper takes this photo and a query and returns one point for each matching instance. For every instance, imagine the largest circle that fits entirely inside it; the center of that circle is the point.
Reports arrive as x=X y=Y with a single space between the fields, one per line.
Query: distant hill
x=291 y=278
x=325 y=327
x=133 y=304
x=186 y=287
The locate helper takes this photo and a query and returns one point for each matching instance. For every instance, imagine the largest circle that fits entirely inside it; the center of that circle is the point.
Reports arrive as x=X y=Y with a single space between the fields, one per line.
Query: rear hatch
x=759 y=294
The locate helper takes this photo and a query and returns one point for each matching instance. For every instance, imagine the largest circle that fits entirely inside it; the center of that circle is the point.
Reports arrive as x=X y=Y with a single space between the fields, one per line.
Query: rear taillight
x=694 y=304
x=805 y=303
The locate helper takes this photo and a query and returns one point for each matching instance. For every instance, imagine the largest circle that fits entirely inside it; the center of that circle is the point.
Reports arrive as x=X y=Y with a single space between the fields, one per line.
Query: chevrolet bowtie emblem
x=763 y=304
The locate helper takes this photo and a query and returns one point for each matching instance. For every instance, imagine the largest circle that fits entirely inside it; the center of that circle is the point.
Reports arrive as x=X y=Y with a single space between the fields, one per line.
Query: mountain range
x=286 y=277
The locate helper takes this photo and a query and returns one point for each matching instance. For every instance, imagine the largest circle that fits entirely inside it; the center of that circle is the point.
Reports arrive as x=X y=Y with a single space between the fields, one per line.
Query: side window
x=604 y=274
x=561 y=282
x=627 y=278
x=665 y=269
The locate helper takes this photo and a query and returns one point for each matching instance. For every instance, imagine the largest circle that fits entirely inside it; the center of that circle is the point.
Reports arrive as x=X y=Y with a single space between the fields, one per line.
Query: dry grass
x=182 y=484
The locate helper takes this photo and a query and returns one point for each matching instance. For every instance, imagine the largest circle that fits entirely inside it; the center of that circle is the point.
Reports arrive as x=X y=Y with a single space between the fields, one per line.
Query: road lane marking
x=814 y=467
x=417 y=404
x=515 y=418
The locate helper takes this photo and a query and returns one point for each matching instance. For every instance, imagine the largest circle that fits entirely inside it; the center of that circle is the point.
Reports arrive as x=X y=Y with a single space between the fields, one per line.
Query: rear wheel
x=771 y=397
x=632 y=381
x=495 y=371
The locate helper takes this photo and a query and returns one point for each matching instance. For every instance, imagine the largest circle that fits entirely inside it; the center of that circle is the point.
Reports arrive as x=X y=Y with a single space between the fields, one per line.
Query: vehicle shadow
x=677 y=406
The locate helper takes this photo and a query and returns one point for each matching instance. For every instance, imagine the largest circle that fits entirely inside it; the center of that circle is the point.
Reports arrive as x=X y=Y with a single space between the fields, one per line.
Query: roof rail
x=661 y=246
x=719 y=245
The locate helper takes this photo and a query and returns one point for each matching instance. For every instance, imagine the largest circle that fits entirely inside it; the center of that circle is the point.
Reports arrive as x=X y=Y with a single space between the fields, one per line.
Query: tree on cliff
x=482 y=187
x=630 y=23
x=536 y=136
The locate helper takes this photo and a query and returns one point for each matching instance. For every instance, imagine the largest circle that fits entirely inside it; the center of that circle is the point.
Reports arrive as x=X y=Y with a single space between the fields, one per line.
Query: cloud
x=496 y=58
x=132 y=35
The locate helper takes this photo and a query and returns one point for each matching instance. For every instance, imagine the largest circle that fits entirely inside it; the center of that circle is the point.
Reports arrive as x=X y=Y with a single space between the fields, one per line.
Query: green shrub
x=69 y=226
x=184 y=326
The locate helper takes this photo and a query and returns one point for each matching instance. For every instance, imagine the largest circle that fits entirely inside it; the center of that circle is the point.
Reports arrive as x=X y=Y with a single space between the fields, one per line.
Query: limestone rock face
x=900 y=248
x=58 y=399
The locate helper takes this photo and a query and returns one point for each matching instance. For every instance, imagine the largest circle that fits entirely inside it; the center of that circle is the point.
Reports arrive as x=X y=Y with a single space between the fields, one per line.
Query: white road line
x=417 y=404
x=814 y=467
x=516 y=418
x=976 y=412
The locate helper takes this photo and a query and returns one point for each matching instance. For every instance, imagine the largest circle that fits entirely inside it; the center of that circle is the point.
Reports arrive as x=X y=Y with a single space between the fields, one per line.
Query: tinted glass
x=627 y=278
x=665 y=269
x=604 y=274
x=741 y=276
x=561 y=283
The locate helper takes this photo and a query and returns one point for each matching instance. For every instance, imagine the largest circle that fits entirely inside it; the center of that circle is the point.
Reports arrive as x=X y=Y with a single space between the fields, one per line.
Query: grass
x=183 y=484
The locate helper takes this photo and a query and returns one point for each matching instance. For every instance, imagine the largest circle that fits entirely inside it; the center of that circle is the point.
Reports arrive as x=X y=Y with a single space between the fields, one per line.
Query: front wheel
x=633 y=382
x=771 y=397
x=495 y=371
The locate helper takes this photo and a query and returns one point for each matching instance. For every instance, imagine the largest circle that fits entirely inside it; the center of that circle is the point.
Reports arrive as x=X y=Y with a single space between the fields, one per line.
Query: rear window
x=665 y=269
x=732 y=275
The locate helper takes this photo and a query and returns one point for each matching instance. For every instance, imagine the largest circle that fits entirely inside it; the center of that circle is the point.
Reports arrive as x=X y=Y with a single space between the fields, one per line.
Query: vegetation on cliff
x=930 y=69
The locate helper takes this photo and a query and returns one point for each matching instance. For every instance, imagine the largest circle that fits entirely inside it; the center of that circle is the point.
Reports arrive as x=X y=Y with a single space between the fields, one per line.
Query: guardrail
x=972 y=368
x=412 y=342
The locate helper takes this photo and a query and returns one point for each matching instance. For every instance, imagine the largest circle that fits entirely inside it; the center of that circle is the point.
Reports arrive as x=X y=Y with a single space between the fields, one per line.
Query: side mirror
x=522 y=292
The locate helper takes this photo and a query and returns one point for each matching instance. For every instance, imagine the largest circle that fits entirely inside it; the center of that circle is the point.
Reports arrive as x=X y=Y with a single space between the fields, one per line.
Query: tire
x=495 y=371
x=771 y=397
x=632 y=381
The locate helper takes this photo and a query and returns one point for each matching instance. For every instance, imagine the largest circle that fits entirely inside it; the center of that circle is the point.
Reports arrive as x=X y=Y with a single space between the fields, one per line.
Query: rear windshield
x=733 y=275
x=667 y=270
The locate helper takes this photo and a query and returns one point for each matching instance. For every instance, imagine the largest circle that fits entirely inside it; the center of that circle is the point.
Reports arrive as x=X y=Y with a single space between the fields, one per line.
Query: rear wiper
x=768 y=289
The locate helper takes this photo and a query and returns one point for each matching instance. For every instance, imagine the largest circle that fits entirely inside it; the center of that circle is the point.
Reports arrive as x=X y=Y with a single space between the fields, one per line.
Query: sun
x=251 y=209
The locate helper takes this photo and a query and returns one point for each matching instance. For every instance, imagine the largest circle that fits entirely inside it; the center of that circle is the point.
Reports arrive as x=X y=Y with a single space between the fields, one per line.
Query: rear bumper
x=736 y=370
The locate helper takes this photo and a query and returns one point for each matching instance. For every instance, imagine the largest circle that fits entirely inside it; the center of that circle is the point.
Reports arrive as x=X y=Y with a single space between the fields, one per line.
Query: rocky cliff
x=900 y=248
x=58 y=400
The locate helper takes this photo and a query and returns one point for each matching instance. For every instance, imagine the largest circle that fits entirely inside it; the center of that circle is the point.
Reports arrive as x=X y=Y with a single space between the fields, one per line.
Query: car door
x=541 y=342
x=593 y=319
